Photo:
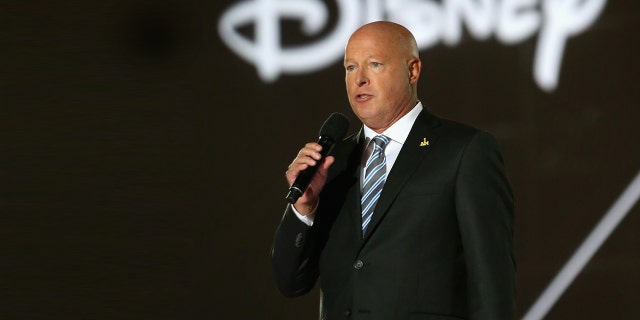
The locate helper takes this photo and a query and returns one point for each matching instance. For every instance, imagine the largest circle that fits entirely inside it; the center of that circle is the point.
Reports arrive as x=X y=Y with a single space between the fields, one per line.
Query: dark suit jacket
x=440 y=243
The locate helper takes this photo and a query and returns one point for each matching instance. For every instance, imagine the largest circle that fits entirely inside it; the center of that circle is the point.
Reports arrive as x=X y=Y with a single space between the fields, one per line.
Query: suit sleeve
x=484 y=206
x=292 y=258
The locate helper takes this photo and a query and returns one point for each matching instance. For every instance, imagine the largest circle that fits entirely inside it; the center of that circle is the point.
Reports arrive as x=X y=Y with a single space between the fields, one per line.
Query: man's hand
x=309 y=156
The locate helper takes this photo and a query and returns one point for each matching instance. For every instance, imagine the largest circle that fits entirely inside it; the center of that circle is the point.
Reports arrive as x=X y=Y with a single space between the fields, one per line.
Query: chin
x=361 y=111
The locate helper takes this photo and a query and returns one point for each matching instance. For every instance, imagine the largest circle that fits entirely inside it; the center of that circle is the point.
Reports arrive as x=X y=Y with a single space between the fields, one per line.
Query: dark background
x=143 y=162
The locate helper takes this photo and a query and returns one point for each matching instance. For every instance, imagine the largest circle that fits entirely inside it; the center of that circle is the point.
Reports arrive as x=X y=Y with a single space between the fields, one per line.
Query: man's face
x=378 y=78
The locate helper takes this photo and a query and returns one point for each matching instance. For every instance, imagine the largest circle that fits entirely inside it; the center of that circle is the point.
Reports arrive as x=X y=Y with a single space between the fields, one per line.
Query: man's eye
x=375 y=64
x=350 y=68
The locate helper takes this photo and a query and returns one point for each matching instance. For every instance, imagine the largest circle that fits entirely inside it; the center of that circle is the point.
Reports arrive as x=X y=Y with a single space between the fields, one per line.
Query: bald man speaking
x=409 y=218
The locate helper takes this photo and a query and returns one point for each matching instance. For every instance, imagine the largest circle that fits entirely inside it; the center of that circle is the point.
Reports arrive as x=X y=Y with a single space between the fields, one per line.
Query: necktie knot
x=376 y=155
x=381 y=141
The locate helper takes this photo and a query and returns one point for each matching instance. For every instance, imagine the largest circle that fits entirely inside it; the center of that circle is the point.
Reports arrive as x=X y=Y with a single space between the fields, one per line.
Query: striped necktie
x=374 y=177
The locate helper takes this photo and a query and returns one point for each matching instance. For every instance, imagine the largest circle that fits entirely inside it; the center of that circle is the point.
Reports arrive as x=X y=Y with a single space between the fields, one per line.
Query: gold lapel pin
x=424 y=142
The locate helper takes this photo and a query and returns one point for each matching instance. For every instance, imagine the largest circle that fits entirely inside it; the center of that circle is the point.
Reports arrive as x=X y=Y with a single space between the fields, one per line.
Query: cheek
x=397 y=88
x=348 y=81
x=387 y=87
x=350 y=89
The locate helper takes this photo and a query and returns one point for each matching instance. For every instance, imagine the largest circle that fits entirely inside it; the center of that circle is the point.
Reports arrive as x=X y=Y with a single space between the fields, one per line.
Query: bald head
x=390 y=34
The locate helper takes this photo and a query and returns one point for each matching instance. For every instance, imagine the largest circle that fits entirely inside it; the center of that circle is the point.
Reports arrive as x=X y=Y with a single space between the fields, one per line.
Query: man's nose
x=362 y=79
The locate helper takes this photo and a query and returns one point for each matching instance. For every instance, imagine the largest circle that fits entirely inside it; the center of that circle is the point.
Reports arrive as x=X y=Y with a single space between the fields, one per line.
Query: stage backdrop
x=147 y=143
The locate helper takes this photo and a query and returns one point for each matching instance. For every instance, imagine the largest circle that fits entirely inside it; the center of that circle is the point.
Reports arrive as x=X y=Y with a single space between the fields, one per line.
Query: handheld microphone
x=332 y=131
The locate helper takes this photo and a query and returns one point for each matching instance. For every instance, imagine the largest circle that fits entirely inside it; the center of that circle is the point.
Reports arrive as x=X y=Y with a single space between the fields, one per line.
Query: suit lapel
x=415 y=148
x=352 y=202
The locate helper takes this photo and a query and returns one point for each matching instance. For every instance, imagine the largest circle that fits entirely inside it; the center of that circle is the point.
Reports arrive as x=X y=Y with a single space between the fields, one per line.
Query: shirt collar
x=399 y=131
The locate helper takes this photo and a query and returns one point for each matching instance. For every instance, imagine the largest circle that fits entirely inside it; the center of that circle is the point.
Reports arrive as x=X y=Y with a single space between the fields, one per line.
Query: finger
x=311 y=150
x=295 y=169
x=302 y=161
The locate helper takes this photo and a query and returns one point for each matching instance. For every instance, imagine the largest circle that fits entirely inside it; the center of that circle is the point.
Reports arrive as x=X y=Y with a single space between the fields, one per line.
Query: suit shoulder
x=459 y=127
x=462 y=135
x=459 y=130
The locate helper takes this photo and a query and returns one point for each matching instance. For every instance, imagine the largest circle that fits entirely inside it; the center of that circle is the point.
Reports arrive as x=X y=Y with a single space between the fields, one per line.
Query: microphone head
x=335 y=127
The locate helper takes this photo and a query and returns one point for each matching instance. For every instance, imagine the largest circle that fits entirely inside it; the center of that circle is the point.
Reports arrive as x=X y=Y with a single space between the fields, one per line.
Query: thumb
x=321 y=174
x=328 y=161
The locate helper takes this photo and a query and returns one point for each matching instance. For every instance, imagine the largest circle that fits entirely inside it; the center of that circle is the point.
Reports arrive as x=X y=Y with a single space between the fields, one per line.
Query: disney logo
x=510 y=21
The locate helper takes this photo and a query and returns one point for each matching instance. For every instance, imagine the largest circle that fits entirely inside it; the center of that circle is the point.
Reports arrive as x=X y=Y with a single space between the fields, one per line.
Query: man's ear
x=415 y=65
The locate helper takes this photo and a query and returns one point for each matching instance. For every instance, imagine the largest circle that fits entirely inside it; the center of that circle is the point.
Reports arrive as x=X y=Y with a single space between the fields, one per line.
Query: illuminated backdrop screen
x=147 y=177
